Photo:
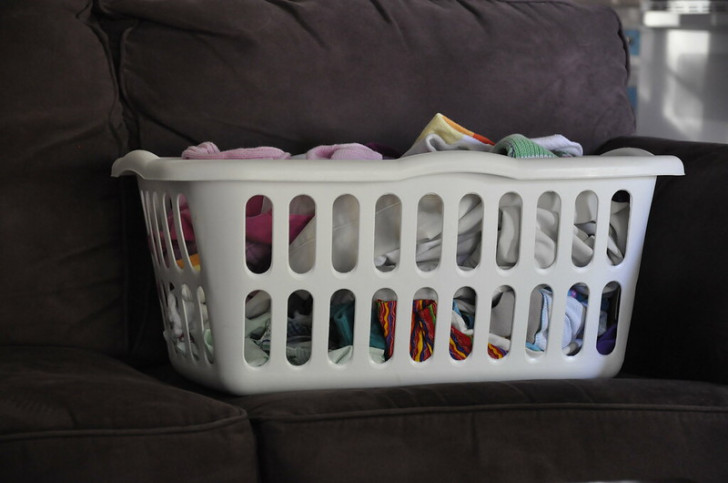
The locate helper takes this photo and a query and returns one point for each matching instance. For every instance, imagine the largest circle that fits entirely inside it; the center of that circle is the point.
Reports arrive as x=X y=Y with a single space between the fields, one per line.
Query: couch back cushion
x=296 y=74
x=60 y=226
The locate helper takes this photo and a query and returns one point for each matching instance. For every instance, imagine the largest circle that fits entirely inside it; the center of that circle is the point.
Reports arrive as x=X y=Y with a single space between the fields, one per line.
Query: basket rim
x=620 y=163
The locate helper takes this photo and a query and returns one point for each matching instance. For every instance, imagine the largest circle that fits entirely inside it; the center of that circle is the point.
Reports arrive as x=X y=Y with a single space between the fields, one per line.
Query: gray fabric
x=74 y=415
x=545 y=431
x=297 y=74
x=60 y=228
x=679 y=321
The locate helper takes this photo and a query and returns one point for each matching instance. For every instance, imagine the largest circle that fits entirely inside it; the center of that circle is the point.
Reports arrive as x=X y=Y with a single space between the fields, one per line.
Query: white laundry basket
x=206 y=281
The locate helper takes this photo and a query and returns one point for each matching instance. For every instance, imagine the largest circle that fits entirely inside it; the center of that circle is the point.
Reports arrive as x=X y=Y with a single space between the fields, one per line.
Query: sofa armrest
x=680 y=318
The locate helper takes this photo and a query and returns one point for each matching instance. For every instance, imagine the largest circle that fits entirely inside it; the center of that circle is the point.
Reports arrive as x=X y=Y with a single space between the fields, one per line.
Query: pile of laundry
x=440 y=134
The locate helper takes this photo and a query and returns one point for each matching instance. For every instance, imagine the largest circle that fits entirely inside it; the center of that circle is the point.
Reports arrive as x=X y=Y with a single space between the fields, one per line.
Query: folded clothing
x=208 y=150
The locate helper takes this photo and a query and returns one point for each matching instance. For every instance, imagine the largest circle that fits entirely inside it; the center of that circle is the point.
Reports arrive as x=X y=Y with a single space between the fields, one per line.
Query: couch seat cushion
x=586 y=430
x=72 y=415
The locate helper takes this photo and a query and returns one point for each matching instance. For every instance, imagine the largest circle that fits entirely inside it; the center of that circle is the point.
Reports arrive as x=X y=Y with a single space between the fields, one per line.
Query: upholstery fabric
x=60 y=228
x=296 y=74
x=678 y=314
x=74 y=415
x=546 y=431
x=84 y=81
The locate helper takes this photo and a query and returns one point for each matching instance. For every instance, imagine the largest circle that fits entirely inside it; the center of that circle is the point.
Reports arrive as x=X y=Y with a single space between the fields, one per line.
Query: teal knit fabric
x=519 y=146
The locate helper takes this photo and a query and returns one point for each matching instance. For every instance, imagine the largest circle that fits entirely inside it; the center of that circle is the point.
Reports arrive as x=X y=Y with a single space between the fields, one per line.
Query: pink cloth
x=259 y=236
x=208 y=150
x=258 y=231
x=259 y=228
x=188 y=233
x=343 y=151
x=259 y=224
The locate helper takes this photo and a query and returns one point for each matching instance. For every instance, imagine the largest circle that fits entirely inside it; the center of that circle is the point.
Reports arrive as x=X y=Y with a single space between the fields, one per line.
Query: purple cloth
x=387 y=152
x=343 y=151
x=607 y=341
x=208 y=150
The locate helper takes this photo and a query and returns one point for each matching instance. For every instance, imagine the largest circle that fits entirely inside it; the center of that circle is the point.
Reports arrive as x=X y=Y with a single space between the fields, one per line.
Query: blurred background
x=679 y=80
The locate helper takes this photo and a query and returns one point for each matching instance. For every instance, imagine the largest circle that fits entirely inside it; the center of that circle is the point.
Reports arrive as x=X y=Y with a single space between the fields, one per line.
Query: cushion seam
x=125 y=432
x=397 y=412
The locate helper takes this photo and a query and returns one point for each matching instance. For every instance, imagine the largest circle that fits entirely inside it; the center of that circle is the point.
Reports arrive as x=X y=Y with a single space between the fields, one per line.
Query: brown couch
x=86 y=391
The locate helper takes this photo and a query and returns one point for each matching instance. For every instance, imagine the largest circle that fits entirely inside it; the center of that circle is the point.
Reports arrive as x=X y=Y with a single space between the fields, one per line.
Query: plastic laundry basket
x=387 y=238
